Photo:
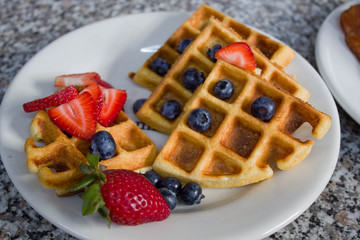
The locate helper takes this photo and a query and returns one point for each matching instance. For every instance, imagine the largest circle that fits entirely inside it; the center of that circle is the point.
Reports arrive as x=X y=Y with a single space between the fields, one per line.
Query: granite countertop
x=28 y=26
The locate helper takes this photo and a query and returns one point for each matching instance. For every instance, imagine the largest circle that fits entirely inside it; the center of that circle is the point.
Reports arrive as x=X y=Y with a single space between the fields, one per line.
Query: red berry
x=238 y=54
x=80 y=79
x=132 y=199
x=55 y=99
x=113 y=102
x=76 y=116
x=97 y=95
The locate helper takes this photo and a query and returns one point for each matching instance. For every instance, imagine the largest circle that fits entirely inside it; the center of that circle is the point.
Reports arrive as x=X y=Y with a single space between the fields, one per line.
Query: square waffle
x=196 y=56
x=57 y=162
x=237 y=148
x=277 y=52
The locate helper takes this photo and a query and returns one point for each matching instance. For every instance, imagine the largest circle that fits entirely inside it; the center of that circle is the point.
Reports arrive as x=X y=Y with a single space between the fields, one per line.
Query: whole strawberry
x=121 y=196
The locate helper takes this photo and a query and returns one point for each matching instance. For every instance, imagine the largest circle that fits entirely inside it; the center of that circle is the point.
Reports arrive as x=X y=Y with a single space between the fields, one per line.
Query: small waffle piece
x=171 y=87
x=277 y=52
x=350 y=24
x=57 y=163
x=237 y=148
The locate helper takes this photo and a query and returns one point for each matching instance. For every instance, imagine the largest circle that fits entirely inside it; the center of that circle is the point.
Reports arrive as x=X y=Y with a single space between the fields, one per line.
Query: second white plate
x=337 y=64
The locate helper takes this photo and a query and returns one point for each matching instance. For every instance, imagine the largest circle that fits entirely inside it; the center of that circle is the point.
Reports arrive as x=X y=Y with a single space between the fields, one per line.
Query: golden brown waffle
x=57 y=163
x=277 y=52
x=237 y=148
x=196 y=56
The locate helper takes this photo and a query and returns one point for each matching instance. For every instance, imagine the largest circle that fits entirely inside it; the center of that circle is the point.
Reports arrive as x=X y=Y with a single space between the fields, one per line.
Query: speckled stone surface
x=27 y=26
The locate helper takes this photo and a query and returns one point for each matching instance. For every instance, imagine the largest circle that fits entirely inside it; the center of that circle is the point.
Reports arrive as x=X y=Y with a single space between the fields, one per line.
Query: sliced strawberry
x=97 y=95
x=113 y=102
x=238 y=54
x=55 y=99
x=76 y=116
x=80 y=79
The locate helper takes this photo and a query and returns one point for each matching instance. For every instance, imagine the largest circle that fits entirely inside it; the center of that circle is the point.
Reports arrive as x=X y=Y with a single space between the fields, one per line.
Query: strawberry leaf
x=93 y=160
x=93 y=200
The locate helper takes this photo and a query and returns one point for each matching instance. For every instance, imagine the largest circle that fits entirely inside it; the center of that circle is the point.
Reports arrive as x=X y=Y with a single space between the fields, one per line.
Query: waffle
x=277 y=52
x=196 y=56
x=350 y=24
x=57 y=163
x=237 y=148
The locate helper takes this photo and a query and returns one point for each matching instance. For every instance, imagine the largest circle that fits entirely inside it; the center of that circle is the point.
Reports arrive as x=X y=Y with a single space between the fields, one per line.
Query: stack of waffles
x=237 y=148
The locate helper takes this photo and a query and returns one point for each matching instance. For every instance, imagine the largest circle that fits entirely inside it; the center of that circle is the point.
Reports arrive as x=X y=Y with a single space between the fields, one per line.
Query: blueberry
x=191 y=193
x=153 y=177
x=183 y=44
x=169 y=197
x=171 y=183
x=137 y=104
x=160 y=66
x=211 y=52
x=103 y=144
x=170 y=109
x=199 y=119
x=223 y=89
x=192 y=78
x=263 y=108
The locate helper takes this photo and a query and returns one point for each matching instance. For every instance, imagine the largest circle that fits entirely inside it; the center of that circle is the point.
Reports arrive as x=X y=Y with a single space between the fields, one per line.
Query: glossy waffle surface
x=238 y=147
x=277 y=52
x=195 y=56
x=57 y=162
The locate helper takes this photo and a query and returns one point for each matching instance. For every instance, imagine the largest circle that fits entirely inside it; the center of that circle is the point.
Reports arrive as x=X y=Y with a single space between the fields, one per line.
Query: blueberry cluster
x=173 y=191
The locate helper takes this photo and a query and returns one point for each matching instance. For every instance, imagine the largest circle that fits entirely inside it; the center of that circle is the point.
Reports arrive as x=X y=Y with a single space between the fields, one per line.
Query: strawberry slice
x=113 y=102
x=81 y=79
x=55 y=99
x=238 y=54
x=97 y=95
x=76 y=116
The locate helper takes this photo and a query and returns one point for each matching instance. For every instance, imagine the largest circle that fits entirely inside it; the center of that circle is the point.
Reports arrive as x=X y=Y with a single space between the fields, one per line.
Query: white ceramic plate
x=113 y=48
x=337 y=64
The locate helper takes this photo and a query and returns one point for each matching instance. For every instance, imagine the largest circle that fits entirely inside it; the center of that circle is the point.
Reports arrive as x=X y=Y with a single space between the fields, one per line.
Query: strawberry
x=113 y=102
x=238 y=54
x=121 y=196
x=80 y=79
x=76 y=116
x=97 y=95
x=55 y=99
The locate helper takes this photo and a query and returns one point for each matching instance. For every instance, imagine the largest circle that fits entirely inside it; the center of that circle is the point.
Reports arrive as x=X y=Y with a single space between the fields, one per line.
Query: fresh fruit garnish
x=55 y=99
x=238 y=54
x=169 y=196
x=183 y=44
x=191 y=193
x=223 y=89
x=81 y=79
x=171 y=183
x=199 y=120
x=97 y=95
x=113 y=102
x=263 y=108
x=103 y=144
x=170 y=109
x=192 y=78
x=160 y=66
x=211 y=52
x=137 y=104
x=153 y=177
x=121 y=196
x=76 y=116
